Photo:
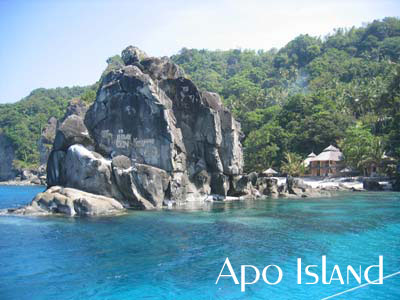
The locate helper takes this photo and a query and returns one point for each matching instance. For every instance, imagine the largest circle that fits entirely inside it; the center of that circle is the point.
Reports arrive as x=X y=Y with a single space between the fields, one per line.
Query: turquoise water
x=178 y=255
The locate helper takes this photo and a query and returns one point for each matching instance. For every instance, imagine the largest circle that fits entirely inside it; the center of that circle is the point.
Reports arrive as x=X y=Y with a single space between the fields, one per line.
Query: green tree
x=293 y=164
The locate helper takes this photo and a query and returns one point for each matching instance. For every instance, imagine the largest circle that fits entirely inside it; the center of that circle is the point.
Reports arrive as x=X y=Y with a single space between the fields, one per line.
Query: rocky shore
x=20 y=183
x=27 y=178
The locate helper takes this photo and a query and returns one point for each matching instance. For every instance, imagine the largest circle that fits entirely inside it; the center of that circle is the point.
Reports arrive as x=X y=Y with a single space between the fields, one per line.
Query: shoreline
x=19 y=183
x=355 y=184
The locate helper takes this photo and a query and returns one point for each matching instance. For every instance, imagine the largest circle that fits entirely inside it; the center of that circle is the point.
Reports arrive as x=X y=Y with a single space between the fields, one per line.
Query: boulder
x=36 y=181
x=289 y=184
x=56 y=168
x=27 y=175
x=70 y=202
x=372 y=184
x=253 y=176
x=89 y=171
x=72 y=131
x=267 y=186
x=141 y=186
x=75 y=107
x=240 y=185
x=161 y=68
x=219 y=184
x=132 y=55
x=202 y=181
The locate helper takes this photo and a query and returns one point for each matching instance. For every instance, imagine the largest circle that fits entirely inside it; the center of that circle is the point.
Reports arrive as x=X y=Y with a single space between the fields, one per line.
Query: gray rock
x=132 y=55
x=219 y=184
x=253 y=178
x=161 y=68
x=56 y=168
x=202 y=181
x=299 y=183
x=36 y=180
x=267 y=186
x=26 y=175
x=372 y=184
x=70 y=202
x=75 y=107
x=72 y=131
x=152 y=183
x=89 y=171
x=289 y=184
x=47 y=139
x=148 y=112
x=240 y=185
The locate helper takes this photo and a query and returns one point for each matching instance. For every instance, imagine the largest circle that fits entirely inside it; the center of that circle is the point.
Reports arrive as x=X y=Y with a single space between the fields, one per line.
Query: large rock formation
x=75 y=107
x=46 y=140
x=151 y=138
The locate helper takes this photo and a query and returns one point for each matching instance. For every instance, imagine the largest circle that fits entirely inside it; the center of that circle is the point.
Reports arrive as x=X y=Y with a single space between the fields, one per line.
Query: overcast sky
x=65 y=43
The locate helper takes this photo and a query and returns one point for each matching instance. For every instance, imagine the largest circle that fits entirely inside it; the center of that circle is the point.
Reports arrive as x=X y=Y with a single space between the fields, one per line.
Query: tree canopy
x=310 y=93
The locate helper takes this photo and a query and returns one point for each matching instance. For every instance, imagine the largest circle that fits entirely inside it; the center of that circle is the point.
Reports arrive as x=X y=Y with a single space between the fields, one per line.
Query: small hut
x=309 y=158
x=327 y=163
x=270 y=172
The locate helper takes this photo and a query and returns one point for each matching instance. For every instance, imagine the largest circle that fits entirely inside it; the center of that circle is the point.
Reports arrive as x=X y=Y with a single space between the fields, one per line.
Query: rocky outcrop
x=150 y=139
x=76 y=107
x=372 y=184
x=296 y=188
x=70 y=202
x=7 y=154
x=46 y=140
x=72 y=131
x=148 y=112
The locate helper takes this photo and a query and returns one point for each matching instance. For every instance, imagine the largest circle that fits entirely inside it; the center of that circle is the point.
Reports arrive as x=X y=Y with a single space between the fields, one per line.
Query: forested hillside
x=342 y=89
x=23 y=121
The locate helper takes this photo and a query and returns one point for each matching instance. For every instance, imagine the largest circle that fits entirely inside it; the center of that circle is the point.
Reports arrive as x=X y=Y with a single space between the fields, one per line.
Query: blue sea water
x=179 y=254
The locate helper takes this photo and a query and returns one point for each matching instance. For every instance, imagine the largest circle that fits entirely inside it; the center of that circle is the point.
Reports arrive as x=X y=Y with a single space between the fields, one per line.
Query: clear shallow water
x=178 y=255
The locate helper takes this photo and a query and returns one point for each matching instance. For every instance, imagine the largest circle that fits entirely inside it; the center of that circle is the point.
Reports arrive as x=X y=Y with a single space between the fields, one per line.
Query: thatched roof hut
x=309 y=158
x=330 y=153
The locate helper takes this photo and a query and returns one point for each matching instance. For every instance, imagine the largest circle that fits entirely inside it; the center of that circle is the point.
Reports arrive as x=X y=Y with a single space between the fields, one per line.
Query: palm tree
x=293 y=165
x=374 y=153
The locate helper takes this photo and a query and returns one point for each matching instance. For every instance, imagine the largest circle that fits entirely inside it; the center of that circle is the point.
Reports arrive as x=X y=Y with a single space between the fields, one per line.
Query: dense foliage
x=343 y=89
x=23 y=121
x=310 y=93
